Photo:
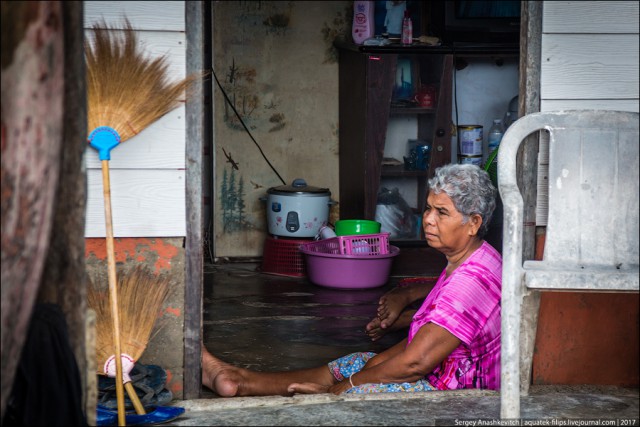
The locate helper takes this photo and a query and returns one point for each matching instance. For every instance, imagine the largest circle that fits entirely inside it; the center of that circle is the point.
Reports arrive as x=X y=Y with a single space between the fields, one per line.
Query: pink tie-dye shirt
x=467 y=304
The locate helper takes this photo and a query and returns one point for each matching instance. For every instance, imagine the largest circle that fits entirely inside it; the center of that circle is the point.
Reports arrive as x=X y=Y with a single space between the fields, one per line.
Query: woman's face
x=443 y=227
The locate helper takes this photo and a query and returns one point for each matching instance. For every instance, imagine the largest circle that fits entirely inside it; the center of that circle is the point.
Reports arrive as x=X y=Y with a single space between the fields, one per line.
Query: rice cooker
x=297 y=210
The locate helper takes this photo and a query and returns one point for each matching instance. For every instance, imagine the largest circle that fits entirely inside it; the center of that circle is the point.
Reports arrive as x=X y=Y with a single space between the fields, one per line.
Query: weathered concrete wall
x=276 y=62
x=162 y=256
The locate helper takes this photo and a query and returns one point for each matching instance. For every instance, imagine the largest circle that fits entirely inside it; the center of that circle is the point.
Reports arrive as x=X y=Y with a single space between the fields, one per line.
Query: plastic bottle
x=495 y=135
x=407 y=29
x=363 y=21
x=507 y=120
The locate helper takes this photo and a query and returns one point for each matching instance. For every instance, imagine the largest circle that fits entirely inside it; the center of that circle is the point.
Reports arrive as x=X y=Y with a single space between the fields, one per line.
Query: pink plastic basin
x=348 y=271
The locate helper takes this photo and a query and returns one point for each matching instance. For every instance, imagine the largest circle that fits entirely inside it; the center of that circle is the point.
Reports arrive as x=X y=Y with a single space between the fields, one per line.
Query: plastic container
x=470 y=138
x=407 y=29
x=347 y=227
x=473 y=160
x=282 y=256
x=363 y=26
x=495 y=135
x=348 y=271
x=363 y=244
x=418 y=155
x=325 y=232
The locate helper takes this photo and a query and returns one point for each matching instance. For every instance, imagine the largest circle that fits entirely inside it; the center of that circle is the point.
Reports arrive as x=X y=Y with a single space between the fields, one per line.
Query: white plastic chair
x=592 y=228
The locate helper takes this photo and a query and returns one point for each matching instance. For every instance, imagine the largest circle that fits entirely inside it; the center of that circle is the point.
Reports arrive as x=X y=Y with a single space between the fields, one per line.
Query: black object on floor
x=47 y=388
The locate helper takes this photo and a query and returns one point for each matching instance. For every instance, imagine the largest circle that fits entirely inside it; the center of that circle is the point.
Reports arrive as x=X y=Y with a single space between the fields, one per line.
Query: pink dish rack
x=359 y=244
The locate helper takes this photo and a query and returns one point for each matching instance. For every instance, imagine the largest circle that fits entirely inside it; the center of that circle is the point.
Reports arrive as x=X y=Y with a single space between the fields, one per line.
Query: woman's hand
x=313 y=388
x=307 y=388
x=340 y=387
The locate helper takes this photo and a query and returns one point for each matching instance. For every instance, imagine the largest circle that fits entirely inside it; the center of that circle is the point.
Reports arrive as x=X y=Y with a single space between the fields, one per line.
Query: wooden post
x=529 y=102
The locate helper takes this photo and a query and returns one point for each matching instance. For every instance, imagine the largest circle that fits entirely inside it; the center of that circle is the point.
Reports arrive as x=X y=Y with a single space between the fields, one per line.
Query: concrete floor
x=268 y=322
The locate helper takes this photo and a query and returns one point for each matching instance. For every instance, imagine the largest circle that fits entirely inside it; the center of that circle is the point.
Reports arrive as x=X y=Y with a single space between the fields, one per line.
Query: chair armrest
x=544 y=276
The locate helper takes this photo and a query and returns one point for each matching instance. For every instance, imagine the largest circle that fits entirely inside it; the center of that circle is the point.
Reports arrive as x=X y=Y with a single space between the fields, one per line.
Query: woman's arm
x=430 y=346
x=387 y=354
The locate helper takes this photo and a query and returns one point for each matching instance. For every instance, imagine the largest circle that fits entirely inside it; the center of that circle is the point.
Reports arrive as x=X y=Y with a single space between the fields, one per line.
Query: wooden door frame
x=199 y=24
x=529 y=102
x=199 y=129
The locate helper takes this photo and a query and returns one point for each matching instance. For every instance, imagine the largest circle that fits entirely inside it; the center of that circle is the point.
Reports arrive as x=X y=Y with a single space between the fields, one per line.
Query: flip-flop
x=159 y=414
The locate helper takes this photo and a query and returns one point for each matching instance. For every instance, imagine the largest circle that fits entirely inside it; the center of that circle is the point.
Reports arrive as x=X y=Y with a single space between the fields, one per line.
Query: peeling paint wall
x=161 y=256
x=277 y=65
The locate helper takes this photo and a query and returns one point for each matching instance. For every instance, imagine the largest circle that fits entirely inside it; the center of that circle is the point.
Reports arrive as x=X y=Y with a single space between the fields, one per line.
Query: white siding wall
x=589 y=60
x=589 y=55
x=147 y=171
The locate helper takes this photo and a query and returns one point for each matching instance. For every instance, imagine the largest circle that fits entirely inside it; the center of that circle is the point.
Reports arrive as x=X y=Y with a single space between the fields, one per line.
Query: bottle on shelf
x=363 y=21
x=495 y=135
x=407 y=29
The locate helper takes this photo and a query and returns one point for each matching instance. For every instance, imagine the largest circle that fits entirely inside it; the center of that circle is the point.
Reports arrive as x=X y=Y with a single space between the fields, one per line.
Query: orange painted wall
x=162 y=256
x=587 y=338
x=156 y=252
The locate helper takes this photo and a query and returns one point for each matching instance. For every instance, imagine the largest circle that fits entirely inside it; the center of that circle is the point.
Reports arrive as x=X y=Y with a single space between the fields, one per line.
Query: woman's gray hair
x=470 y=189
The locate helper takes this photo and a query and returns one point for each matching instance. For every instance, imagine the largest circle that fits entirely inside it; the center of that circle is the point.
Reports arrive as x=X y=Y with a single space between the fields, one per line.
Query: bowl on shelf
x=350 y=227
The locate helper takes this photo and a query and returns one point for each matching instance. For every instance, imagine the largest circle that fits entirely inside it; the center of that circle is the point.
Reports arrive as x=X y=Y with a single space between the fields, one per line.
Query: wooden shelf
x=413 y=110
x=465 y=49
x=367 y=79
x=400 y=171
x=366 y=107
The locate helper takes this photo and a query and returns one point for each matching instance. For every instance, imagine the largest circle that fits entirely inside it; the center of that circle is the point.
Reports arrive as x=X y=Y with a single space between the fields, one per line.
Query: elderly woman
x=454 y=338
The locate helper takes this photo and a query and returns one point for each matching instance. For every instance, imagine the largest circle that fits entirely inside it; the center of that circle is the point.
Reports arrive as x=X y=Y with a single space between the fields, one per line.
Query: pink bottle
x=407 y=29
x=363 y=21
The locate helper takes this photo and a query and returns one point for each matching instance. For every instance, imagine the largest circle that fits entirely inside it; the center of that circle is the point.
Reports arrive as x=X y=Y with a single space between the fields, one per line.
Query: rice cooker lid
x=299 y=187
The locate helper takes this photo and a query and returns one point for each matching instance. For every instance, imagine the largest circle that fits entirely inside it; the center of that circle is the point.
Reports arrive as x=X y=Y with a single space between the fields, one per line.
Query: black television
x=476 y=21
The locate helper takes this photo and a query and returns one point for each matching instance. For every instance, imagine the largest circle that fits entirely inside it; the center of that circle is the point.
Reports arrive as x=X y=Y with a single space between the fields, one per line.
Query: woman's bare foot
x=391 y=305
x=219 y=376
x=375 y=330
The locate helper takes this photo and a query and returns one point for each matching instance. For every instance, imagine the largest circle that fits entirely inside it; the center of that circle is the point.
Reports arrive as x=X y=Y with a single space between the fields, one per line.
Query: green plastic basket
x=348 y=227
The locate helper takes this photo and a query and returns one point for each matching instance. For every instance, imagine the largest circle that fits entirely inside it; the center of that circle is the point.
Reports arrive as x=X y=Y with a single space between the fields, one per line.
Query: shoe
x=160 y=414
x=148 y=381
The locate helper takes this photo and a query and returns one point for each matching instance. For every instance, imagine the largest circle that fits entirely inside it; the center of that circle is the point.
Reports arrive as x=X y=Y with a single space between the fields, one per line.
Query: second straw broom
x=142 y=295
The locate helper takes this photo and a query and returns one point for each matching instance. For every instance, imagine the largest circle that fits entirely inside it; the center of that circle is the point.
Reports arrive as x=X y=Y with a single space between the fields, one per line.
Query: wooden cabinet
x=369 y=104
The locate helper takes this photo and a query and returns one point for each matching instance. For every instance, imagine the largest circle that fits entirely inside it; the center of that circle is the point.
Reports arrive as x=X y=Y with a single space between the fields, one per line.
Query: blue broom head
x=104 y=139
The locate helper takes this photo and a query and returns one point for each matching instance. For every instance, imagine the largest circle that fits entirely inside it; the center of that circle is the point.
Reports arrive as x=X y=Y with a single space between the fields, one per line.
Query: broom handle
x=133 y=396
x=113 y=292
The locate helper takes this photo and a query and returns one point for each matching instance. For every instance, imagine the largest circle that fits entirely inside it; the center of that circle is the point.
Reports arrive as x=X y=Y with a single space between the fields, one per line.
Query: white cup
x=325 y=232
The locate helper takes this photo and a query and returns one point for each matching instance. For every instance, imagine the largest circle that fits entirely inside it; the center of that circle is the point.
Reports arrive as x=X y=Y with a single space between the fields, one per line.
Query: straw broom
x=142 y=297
x=126 y=92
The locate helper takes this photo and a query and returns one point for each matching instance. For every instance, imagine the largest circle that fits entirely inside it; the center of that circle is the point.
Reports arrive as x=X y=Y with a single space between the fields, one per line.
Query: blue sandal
x=161 y=414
